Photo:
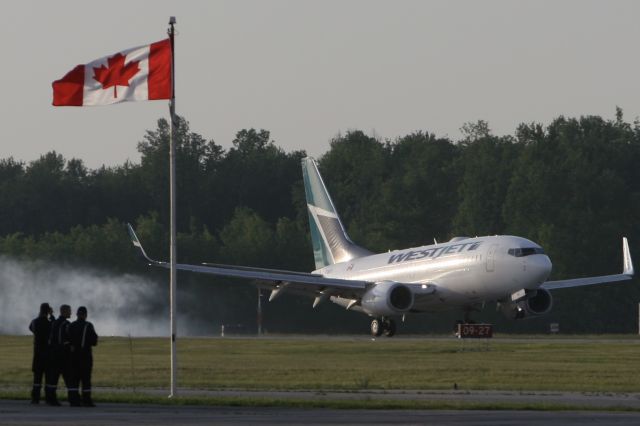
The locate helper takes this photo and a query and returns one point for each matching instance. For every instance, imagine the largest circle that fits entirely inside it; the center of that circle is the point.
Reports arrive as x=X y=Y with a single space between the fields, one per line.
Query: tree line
x=573 y=186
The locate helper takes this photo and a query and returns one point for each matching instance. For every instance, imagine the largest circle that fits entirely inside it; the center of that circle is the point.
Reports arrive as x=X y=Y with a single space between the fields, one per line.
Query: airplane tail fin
x=331 y=244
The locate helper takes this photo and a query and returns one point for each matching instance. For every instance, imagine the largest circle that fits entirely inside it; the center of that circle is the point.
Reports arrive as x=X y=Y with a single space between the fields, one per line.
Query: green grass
x=352 y=364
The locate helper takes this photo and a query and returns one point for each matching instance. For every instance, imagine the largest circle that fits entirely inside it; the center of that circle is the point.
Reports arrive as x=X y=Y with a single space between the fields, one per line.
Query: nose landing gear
x=380 y=326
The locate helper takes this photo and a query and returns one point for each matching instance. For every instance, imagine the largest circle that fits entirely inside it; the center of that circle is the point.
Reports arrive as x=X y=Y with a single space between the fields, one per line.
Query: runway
x=498 y=338
x=22 y=413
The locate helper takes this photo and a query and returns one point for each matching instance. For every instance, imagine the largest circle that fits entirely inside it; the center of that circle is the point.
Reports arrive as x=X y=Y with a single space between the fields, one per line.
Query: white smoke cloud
x=118 y=305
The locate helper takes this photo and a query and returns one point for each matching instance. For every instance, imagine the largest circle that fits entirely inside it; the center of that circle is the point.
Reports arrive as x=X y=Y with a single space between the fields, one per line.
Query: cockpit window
x=525 y=251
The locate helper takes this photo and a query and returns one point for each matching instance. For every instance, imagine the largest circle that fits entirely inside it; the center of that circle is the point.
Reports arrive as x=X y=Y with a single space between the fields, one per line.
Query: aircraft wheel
x=376 y=327
x=389 y=327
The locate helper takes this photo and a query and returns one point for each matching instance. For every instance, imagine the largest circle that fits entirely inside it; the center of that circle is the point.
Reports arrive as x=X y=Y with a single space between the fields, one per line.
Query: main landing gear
x=380 y=326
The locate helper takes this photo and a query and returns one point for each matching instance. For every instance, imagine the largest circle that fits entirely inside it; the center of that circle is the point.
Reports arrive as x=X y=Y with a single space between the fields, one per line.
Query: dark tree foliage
x=354 y=169
x=486 y=165
x=255 y=173
x=572 y=186
x=195 y=158
x=420 y=197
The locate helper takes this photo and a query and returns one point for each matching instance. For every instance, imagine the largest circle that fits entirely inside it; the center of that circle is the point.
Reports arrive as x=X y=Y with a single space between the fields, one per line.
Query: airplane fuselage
x=467 y=271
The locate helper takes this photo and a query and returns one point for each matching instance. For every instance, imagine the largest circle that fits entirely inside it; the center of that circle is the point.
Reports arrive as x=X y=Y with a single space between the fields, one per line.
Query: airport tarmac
x=572 y=399
x=22 y=413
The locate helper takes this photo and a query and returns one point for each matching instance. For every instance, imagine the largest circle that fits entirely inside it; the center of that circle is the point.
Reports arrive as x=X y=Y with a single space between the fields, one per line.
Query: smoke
x=118 y=305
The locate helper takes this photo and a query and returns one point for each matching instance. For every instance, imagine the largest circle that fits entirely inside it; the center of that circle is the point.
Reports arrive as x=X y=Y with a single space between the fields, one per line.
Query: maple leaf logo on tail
x=116 y=74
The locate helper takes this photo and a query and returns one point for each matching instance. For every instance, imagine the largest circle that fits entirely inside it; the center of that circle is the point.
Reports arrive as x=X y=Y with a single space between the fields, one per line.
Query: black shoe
x=89 y=404
x=54 y=403
x=35 y=401
x=74 y=399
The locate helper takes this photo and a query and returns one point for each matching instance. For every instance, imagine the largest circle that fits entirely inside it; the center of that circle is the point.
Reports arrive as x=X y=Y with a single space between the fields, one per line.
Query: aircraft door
x=491 y=259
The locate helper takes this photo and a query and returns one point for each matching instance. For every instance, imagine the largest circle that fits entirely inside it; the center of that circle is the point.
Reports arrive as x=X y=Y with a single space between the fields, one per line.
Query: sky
x=309 y=70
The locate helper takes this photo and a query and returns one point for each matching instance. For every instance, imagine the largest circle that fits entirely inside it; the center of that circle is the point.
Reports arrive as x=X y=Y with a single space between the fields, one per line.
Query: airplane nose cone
x=540 y=267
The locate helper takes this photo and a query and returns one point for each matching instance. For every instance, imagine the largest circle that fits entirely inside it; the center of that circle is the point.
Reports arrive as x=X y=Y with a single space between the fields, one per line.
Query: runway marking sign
x=475 y=331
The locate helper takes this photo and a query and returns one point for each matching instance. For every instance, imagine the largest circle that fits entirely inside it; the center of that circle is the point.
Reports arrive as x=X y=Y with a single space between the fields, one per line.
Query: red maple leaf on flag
x=116 y=74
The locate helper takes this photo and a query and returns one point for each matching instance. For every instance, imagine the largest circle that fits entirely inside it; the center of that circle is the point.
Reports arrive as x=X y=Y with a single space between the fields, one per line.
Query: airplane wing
x=627 y=274
x=314 y=282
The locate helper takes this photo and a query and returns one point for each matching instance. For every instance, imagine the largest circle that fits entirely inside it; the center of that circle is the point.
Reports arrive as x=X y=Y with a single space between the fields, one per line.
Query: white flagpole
x=172 y=197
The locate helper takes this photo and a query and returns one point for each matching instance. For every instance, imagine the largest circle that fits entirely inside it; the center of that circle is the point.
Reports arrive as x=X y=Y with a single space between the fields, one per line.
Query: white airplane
x=463 y=273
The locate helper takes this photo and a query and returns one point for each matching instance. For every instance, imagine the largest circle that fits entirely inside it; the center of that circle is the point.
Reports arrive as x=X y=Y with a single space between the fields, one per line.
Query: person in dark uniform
x=59 y=351
x=41 y=328
x=83 y=337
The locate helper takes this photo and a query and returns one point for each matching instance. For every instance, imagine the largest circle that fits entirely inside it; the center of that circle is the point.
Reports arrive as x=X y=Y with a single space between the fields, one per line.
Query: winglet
x=136 y=242
x=627 y=263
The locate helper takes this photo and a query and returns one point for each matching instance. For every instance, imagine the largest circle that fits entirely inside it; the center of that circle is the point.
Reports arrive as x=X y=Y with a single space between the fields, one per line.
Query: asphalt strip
x=22 y=413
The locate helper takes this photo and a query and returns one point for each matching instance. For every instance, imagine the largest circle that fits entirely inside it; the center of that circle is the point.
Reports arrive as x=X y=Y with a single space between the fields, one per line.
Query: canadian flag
x=137 y=74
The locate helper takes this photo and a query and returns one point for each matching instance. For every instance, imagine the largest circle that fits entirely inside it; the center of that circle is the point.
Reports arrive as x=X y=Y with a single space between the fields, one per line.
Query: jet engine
x=539 y=303
x=387 y=298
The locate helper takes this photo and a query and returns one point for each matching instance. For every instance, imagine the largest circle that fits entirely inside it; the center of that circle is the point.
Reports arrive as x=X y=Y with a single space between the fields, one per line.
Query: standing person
x=59 y=350
x=83 y=337
x=41 y=328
